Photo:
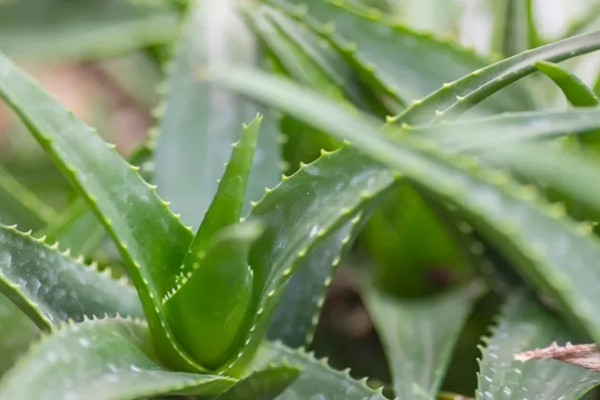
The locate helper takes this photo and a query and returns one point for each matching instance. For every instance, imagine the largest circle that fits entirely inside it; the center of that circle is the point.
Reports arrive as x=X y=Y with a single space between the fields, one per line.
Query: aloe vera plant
x=227 y=262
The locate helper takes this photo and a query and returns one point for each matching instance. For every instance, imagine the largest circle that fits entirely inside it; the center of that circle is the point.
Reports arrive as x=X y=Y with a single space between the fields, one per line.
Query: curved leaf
x=151 y=240
x=419 y=335
x=317 y=379
x=404 y=64
x=576 y=92
x=82 y=29
x=546 y=247
x=456 y=97
x=524 y=325
x=50 y=287
x=101 y=359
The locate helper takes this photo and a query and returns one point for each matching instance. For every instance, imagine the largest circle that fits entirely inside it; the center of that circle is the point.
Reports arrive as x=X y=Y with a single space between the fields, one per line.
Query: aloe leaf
x=319 y=198
x=419 y=335
x=151 y=240
x=101 y=359
x=208 y=310
x=524 y=325
x=576 y=92
x=82 y=30
x=560 y=170
x=456 y=97
x=194 y=133
x=326 y=58
x=17 y=332
x=317 y=379
x=297 y=311
x=391 y=56
x=297 y=64
x=50 y=287
x=265 y=384
x=19 y=205
x=547 y=248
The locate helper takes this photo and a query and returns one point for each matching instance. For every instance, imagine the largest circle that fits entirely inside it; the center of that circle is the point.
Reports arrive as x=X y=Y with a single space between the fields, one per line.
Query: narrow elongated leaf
x=456 y=97
x=101 y=359
x=265 y=384
x=151 y=240
x=392 y=56
x=419 y=336
x=560 y=170
x=51 y=287
x=297 y=311
x=524 y=325
x=297 y=64
x=200 y=122
x=511 y=26
x=317 y=379
x=84 y=29
x=545 y=246
x=18 y=205
x=576 y=92
x=301 y=212
x=323 y=55
x=17 y=332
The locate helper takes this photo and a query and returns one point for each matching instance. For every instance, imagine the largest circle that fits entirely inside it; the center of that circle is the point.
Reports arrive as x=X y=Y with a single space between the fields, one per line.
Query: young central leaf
x=207 y=309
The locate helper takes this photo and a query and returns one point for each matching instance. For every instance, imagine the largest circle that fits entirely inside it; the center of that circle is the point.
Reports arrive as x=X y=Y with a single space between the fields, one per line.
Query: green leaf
x=298 y=215
x=101 y=359
x=208 y=311
x=545 y=246
x=82 y=29
x=297 y=311
x=50 y=287
x=151 y=240
x=392 y=57
x=522 y=326
x=265 y=384
x=17 y=332
x=18 y=205
x=576 y=92
x=199 y=122
x=297 y=64
x=317 y=379
x=457 y=97
x=513 y=26
x=418 y=336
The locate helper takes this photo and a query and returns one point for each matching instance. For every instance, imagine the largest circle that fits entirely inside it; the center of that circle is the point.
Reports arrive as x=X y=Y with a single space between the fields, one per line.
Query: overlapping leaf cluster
x=210 y=309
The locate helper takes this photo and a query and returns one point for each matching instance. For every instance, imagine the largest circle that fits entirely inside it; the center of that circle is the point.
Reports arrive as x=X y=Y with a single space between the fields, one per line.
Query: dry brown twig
x=582 y=355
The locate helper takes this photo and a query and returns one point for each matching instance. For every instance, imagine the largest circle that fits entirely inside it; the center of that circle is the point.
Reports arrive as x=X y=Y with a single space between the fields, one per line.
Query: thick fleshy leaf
x=208 y=311
x=17 y=332
x=576 y=91
x=456 y=97
x=51 y=287
x=325 y=57
x=524 y=325
x=319 y=199
x=151 y=240
x=512 y=26
x=297 y=311
x=317 y=379
x=18 y=205
x=404 y=64
x=199 y=122
x=546 y=247
x=265 y=384
x=419 y=335
x=83 y=29
x=101 y=359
